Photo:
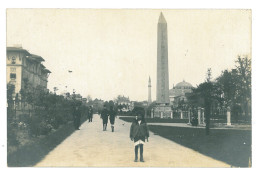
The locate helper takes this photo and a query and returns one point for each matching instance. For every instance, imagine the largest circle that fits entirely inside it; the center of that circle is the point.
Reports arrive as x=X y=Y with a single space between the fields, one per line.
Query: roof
x=37 y=57
x=183 y=84
x=17 y=49
x=180 y=89
x=123 y=99
x=46 y=70
x=43 y=66
x=176 y=92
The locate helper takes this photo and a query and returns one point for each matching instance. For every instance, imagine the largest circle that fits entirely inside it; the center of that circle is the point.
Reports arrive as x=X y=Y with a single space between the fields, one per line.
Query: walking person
x=76 y=117
x=138 y=133
x=112 y=115
x=104 y=116
x=90 y=114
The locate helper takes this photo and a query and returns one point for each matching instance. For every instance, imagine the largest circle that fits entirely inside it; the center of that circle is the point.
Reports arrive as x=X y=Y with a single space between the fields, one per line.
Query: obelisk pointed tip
x=161 y=18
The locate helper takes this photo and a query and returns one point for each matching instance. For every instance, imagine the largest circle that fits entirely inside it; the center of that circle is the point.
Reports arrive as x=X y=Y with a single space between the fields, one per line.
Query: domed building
x=177 y=93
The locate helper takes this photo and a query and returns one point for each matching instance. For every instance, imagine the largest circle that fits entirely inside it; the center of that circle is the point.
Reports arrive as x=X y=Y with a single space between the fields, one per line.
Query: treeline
x=39 y=113
x=229 y=91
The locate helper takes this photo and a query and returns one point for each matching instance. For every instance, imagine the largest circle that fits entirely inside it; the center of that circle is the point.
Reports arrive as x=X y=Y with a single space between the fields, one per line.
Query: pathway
x=92 y=147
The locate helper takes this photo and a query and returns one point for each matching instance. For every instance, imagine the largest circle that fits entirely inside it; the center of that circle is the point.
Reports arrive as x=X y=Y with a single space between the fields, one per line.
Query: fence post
x=189 y=112
x=203 y=115
x=228 y=116
x=199 y=115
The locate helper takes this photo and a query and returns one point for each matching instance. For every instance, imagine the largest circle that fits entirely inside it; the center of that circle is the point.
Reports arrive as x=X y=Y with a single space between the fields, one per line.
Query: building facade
x=23 y=67
x=178 y=93
x=125 y=102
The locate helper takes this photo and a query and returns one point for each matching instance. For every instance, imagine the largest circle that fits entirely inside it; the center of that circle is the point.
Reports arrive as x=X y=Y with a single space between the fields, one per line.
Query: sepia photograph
x=167 y=88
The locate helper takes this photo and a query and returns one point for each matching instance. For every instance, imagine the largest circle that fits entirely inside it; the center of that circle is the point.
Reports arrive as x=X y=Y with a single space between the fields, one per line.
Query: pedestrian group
x=139 y=132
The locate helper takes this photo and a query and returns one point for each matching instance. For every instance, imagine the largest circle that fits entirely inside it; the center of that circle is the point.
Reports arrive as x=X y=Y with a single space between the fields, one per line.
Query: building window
x=13 y=60
x=13 y=76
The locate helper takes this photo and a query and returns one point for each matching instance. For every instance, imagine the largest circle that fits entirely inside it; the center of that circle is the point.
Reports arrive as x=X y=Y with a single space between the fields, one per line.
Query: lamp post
x=14 y=108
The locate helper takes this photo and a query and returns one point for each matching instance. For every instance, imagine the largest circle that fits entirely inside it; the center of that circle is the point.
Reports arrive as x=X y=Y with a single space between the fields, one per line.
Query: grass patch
x=230 y=146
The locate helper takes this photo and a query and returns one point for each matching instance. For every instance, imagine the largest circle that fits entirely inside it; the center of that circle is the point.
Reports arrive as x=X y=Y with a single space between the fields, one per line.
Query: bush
x=38 y=126
x=45 y=128
x=138 y=111
x=12 y=137
x=12 y=126
x=194 y=121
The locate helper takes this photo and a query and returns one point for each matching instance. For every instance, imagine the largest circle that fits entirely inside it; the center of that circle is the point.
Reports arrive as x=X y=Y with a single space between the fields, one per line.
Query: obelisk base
x=162 y=111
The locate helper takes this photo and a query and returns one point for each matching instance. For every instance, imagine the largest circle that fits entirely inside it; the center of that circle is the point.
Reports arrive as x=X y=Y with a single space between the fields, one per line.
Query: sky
x=113 y=52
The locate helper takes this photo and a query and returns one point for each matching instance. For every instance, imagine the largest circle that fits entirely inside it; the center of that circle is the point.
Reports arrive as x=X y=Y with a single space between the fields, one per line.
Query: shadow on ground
x=230 y=146
x=31 y=154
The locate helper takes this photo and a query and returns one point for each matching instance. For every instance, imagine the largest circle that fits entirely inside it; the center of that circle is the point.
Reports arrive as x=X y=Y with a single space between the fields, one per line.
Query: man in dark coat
x=112 y=115
x=138 y=133
x=90 y=114
x=104 y=116
x=76 y=117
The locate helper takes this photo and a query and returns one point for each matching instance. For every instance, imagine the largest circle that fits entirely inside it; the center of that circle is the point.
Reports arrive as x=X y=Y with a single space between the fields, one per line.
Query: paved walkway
x=93 y=147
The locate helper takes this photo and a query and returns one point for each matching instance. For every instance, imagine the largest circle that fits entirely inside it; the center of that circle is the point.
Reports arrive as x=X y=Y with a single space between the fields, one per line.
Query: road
x=92 y=147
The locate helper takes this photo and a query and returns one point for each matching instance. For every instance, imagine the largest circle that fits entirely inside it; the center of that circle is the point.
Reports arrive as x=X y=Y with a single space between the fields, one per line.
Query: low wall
x=156 y=120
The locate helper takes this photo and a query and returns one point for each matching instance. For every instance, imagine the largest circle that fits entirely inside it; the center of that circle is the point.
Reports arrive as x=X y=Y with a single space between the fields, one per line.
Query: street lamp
x=14 y=108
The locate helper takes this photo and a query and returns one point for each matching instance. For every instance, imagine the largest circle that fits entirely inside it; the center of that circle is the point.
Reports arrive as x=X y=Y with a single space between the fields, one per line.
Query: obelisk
x=149 y=91
x=162 y=108
x=162 y=94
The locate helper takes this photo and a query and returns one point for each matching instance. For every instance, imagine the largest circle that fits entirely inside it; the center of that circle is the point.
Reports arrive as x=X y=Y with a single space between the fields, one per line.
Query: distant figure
x=112 y=115
x=104 y=116
x=76 y=117
x=138 y=133
x=90 y=114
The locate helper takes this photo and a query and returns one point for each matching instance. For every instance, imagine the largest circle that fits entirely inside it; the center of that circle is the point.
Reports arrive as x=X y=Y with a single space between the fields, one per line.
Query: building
x=162 y=109
x=178 y=93
x=23 y=67
x=122 y=100
x=97 y=104
x=77 y=97
x=124 y=103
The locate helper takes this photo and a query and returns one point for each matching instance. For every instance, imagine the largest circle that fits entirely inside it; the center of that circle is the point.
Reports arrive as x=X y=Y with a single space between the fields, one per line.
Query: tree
x=205 y=92
x=89 y=98
x=150 y=107
x=10 y=92
x=120 y=107
x=243 y=68
x=138 y=111
x=235 y=87
x=27 y=92
x=208 y=75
